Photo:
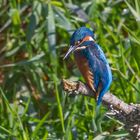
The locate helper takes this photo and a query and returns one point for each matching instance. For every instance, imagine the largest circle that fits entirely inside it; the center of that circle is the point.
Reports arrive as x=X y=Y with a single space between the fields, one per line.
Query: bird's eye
x=77 y=43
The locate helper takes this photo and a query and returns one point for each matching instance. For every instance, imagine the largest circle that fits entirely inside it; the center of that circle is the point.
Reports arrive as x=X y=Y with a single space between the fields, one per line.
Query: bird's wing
x=98 y=62
x=101 y=71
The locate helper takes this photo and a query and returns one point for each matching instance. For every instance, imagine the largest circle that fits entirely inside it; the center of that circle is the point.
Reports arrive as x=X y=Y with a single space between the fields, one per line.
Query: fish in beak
x=71 y=49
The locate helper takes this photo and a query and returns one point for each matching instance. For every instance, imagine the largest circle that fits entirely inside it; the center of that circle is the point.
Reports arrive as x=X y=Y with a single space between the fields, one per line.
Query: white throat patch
x=91 y=39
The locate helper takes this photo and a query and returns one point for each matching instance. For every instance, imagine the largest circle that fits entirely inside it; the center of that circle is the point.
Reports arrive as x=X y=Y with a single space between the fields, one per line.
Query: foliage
x=34 y=36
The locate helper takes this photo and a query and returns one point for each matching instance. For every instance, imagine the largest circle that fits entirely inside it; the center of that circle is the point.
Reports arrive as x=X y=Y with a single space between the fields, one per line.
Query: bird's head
x=80 y=40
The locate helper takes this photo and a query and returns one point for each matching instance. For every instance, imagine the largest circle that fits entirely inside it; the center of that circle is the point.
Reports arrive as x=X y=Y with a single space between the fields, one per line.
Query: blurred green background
x=34 y=36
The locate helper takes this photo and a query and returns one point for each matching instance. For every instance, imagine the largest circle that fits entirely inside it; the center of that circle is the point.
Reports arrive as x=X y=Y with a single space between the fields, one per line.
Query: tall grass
x=34 y=36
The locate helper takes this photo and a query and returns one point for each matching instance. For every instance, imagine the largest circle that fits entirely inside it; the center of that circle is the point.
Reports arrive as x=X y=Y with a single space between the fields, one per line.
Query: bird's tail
x=101 y=94
x=99 y=100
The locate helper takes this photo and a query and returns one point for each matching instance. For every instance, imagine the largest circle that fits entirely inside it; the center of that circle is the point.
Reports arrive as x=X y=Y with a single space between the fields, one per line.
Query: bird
x=91 y=61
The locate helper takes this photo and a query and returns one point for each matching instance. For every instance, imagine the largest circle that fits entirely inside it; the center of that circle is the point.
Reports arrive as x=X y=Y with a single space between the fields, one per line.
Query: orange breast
x=85 y=70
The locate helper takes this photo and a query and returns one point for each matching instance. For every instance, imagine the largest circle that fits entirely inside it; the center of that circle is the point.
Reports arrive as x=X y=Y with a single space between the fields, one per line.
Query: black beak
x=71 y=49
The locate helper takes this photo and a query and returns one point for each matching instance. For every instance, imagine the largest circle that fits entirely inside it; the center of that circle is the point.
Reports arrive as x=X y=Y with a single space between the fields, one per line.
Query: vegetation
x=34 y=36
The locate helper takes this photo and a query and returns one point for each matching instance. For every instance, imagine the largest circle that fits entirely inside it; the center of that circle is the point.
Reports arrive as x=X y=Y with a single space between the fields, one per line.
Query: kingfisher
x=91 y=62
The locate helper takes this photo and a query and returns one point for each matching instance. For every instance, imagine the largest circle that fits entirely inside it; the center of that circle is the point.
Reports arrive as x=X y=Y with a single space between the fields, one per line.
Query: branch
x=129 y=115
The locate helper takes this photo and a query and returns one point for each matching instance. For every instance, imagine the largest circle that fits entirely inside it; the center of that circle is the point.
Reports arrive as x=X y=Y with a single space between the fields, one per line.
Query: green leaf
x=51 y=30
x=135 y=13
x=59 y=105
x=31 y=27
x=119 y=134
x=63 y=22
x=39 y=125
x=101 y=136
x=15 y=15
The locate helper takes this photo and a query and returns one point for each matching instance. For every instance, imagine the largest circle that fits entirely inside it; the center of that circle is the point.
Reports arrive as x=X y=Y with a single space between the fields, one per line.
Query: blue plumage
x=91 y=61
x=80 y=34
x=101 y=69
